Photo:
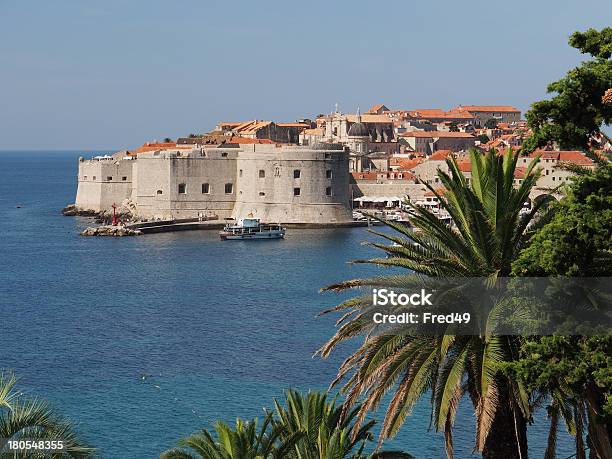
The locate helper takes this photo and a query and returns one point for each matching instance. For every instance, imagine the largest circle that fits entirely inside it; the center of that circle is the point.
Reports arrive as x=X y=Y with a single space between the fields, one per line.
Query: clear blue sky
x=85 y=74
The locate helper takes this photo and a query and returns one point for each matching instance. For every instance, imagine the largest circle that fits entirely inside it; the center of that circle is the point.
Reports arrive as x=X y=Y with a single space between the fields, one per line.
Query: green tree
x=575 y=372
x=490 y=231
x=577 y=111
x=306 y=427
x=491 y=123
x=323 y=430
x=167 y=140
x=453 y=127
x=483 y=138
x=33 y=419
x=578 y=239
x=244 y=441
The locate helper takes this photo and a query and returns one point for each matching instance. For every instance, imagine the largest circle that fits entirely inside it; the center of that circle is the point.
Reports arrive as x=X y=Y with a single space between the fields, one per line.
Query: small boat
x=251 y=228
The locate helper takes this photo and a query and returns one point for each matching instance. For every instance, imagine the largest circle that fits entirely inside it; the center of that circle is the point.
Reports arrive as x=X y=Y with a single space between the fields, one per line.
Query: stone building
x=257 y=129
x=430 y=141
x=277 y=183
x=483 y=113
x=379 y=127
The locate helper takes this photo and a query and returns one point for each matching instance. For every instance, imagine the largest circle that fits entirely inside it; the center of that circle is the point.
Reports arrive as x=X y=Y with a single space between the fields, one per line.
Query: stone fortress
x=309 y=171
x=274 y=182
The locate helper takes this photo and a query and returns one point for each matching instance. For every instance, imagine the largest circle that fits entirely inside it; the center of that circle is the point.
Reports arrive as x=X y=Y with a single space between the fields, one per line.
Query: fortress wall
x=160 y=175
x=224 y=182
x=270 y=195
x=102 y=182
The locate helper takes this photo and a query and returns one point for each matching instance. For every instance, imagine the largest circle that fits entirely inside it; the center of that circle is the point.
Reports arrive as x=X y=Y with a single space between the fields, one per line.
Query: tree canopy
x=578 y=239
x=577 y=111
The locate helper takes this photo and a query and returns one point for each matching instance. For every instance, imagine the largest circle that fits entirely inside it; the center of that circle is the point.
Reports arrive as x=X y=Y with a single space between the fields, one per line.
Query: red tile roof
x=487 y=108
x=387 y=175
x=364 y=175
x=375 y=108
x=465 y=166
x=370 y=118
x=440 y=191
x=243 y=140
x=153 y=146
x=568 y=156
x=433 y=112
x=575 y=157
x=303 y=125
x=315 y=131
x=437 y=134
x=405 y=163
x=519 y=172
x=440 y=155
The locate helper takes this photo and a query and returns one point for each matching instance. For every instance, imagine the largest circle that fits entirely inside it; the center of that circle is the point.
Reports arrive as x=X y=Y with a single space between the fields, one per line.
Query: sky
x=89 y=74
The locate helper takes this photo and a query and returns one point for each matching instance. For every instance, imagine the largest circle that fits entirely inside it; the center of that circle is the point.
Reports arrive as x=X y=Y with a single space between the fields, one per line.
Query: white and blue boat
x=251 y=228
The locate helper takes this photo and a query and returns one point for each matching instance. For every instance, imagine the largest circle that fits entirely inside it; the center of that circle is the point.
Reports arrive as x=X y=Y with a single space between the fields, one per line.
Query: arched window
x=160 y=192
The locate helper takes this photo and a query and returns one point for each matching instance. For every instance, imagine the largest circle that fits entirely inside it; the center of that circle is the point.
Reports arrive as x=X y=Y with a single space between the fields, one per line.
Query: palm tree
x=21 y=418
x=488 y=230
x=245 y=441
x=321 y=429
x=307 y=427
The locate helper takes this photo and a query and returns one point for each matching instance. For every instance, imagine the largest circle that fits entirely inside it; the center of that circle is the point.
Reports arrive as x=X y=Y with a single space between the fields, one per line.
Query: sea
x=143 y=340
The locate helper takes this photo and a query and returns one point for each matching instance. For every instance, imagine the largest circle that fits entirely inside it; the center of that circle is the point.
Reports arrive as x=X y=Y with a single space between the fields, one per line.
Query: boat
x=251 y=228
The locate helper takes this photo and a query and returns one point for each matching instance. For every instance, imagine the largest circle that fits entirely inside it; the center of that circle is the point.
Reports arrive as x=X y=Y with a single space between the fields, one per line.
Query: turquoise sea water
x=219 y=328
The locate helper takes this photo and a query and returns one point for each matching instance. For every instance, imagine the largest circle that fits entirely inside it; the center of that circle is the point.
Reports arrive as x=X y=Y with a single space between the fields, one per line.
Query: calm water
x=221 y=328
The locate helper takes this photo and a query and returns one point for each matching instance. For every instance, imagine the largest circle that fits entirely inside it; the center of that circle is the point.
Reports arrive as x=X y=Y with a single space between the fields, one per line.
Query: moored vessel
x=251 y=228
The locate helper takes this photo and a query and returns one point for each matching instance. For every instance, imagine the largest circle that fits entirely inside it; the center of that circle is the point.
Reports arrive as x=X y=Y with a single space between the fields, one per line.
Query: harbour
x=86 y=317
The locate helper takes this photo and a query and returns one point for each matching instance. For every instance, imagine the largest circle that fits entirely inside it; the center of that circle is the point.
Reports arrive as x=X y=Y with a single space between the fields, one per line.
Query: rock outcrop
x=72 y=210
x=113 y=231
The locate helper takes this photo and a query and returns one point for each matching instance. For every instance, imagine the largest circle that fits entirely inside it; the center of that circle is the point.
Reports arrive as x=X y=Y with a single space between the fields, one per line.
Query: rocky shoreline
x=113 y=231
x=123 y=214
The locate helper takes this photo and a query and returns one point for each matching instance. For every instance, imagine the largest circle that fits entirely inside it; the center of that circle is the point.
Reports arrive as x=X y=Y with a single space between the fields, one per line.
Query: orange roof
x=567 y=156
x=240 y=140
x=364 y=175
x=575 y=157
x=487 y=108
x=375 y=108
x=304 y=125
x=440 y=155
x=465 y=166
x=369 y=118
x=316 y=131
x=437 y=113
x=519 y=172
x=437 y=134
x=440 y=191
x=251 y=127
x=426 y=112
x=406 y=175
x=152 y=146
x=392 y=175
x=405 y=163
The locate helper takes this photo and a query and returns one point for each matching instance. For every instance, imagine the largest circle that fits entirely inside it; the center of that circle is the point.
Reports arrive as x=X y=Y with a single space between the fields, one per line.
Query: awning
x=378 y=199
